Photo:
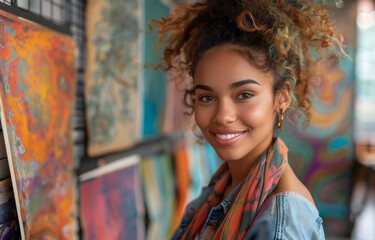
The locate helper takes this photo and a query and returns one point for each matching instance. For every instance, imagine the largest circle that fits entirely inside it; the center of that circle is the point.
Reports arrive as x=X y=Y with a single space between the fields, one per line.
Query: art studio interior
x=97 y=142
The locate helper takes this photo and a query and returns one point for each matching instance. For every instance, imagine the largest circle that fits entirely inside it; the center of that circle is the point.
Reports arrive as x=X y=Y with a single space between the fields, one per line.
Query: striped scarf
x=258 y=185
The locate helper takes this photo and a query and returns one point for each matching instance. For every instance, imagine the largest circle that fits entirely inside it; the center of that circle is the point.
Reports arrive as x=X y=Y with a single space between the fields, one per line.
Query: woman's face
x=235 y=105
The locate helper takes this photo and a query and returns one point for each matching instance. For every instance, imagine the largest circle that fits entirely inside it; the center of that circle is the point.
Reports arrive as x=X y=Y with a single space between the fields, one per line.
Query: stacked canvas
x=9 y=228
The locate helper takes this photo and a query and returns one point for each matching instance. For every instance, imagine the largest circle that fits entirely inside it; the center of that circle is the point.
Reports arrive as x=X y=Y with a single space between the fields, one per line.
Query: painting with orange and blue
x=112 y=205
x=322 y=155
x=38 y=77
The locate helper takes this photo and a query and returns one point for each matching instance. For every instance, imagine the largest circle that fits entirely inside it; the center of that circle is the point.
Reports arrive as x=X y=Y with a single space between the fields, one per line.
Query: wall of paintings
x=137 y=165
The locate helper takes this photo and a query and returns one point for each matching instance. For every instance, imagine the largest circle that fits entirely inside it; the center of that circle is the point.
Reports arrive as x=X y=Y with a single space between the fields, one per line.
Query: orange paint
x=37 y=92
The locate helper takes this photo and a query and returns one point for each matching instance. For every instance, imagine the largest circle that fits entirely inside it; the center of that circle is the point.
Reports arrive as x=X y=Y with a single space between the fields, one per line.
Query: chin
x=228 y=156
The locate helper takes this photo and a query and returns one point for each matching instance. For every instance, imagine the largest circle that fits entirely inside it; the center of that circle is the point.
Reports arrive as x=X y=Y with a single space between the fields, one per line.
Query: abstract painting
x=159 y=192
x=113 y=74
x=37 y=67
x=155 y=81
x=111 y=201
x=323 y=154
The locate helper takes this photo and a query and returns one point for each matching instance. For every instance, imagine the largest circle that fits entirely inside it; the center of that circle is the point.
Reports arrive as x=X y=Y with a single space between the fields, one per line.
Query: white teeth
x=227 y=136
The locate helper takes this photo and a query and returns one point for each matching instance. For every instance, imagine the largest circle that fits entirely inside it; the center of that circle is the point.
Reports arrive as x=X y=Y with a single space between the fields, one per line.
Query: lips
x=227 y=137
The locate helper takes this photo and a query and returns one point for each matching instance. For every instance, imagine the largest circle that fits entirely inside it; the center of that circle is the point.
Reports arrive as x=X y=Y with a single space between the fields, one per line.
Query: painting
x=177 y=115
x=159 y=192
x=113 y=75
x=323 y=154
x=111 y=201
x=38 y=81
x=155 y=81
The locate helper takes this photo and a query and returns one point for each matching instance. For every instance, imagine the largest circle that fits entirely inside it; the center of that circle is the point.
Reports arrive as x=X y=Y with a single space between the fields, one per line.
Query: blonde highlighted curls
x=293 y=34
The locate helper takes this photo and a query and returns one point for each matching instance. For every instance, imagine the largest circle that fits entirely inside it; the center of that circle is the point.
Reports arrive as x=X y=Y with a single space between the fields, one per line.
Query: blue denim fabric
x=285 y=216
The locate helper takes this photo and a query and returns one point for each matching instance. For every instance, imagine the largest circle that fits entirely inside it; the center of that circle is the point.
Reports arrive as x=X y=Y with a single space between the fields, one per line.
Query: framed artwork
x=113 y=75
x=37 y=101
x=111 y=201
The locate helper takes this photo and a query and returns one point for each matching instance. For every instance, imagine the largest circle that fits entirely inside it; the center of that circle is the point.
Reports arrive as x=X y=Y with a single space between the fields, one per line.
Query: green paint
x=11 y=31
x=34 y=202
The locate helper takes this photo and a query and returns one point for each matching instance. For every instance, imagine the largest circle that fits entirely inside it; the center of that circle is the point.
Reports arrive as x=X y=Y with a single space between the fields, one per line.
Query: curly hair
x=293 y=34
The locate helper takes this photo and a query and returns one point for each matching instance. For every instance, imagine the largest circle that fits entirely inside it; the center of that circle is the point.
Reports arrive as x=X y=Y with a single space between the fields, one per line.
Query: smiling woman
x=250 y=62
x=236 y=107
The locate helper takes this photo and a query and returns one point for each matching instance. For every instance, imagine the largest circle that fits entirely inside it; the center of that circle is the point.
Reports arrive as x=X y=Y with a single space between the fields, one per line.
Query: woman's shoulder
x=290 y=183
x=287 y=215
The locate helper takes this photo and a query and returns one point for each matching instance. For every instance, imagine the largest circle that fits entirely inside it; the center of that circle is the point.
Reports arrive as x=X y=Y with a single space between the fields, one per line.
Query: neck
x=239 y=169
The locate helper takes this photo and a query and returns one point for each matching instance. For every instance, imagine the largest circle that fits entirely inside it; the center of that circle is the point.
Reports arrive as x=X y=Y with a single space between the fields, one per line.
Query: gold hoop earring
x=280 y=119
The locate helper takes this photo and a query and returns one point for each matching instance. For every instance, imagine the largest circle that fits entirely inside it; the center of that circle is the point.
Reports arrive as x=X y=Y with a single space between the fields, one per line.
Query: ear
x=283 y=98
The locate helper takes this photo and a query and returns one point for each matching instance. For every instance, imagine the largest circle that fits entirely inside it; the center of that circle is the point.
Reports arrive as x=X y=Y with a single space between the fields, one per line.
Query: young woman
x=250 y=62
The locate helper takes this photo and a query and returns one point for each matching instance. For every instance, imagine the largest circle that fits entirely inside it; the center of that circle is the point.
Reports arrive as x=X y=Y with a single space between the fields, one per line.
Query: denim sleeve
x=287 y=216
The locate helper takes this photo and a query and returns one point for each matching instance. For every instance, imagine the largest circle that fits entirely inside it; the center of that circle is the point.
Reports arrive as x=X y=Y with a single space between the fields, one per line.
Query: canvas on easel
x=113 y=75
x=38 y=79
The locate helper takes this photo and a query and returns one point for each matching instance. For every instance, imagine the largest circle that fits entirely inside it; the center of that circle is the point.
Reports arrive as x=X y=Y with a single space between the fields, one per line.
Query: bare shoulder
x=290 y=183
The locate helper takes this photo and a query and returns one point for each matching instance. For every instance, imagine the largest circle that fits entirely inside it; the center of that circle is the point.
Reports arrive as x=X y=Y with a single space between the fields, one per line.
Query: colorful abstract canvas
x=38 y=77
x=155 y=81
x=113 y=74
x=159 y=191
x=111 y=202
x=322 y=155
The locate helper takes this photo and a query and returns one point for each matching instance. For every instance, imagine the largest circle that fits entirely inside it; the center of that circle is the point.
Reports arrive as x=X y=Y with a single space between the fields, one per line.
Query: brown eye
x=206 y=99
x=245 y=95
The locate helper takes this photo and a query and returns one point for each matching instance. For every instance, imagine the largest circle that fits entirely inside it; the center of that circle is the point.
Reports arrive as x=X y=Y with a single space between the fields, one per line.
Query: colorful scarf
x=258 y=185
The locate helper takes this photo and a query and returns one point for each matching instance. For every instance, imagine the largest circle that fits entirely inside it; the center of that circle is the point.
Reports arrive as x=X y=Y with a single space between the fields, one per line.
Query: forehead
x=225 y=65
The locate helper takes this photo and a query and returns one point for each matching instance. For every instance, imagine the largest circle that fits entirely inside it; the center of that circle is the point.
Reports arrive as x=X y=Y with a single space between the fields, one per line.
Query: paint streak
x=38 y=112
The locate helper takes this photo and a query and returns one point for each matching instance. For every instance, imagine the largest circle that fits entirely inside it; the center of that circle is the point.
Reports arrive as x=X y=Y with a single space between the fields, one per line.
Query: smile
x=227 y=137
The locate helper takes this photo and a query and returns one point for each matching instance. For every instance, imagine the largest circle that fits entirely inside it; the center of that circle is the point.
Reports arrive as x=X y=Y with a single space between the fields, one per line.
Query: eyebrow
x=243 y=82
x=204 y=87
x=233 y=85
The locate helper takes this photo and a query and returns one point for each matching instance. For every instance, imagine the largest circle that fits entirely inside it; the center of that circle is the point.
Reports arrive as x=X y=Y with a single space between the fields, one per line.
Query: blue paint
x=155 y=81
x=340 y=143
x=11 y=31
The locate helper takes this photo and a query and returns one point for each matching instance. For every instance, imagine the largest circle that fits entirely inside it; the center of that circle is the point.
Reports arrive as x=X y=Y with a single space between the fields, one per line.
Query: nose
x=224 y=113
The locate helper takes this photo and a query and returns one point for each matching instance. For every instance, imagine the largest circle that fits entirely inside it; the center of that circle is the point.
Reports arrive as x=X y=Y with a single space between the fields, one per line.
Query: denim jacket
x=286 y=215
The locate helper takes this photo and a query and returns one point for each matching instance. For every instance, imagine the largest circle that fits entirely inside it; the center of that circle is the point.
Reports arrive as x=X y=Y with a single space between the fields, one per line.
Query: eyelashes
x=245 y=95
x=206 y=98
x=242 y=96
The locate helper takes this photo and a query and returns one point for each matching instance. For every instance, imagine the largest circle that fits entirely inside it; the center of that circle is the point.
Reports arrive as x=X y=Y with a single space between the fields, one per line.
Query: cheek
x=258 y=114
x=201 y=119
